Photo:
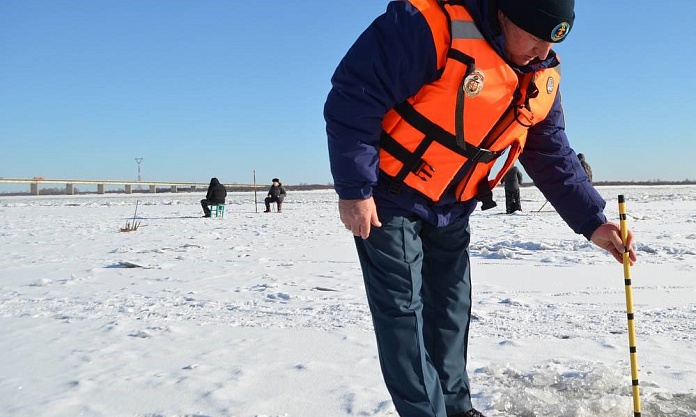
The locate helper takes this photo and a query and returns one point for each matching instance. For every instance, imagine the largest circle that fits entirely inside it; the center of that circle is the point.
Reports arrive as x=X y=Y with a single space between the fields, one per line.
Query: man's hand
x=608 y=237
x=358 y=216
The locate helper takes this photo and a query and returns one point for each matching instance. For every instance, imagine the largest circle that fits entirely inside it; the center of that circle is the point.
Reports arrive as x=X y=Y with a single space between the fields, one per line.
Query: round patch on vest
x=560 y=31
x=473 y=83
x=549 y=85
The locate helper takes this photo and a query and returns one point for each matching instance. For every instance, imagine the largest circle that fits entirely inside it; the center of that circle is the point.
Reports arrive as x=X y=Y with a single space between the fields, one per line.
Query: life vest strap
x=463 y=58
x=441 y=136
x=527 y=91
x=413 y=162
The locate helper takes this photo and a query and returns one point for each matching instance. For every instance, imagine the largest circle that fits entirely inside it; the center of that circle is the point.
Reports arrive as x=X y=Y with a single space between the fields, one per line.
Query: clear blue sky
x=204 y=88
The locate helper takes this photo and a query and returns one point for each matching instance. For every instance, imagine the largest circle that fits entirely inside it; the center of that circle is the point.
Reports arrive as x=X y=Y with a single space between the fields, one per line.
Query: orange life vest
x=478 y=110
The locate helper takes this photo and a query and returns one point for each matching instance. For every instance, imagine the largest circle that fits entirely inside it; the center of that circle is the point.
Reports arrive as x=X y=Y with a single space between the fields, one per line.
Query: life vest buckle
x=484 y=155
x=424 y=170
x=524 y=116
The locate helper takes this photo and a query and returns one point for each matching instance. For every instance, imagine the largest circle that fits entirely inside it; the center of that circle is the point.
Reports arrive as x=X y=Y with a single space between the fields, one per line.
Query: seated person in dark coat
x=216 y=195
x=512 y=181
x=276 y=194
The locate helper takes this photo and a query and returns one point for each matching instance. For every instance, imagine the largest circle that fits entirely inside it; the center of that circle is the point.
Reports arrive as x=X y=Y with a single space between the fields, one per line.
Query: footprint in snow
x=278 y=296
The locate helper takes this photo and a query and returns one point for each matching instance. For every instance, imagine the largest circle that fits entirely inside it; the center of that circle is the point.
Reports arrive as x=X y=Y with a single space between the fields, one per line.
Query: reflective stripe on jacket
x=478 y=110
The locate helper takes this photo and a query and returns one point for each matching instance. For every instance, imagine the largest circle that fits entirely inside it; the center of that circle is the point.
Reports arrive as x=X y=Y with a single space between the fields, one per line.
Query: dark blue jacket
x=390 y=61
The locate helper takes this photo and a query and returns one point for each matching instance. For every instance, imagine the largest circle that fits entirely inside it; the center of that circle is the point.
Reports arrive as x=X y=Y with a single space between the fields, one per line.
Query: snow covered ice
x=261 y=314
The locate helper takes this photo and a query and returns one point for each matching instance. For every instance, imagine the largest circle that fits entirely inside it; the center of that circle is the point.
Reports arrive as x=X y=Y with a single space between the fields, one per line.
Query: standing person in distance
x=585 y=166
x=512 y=181
x=447 y=88
x=216 y=195
x=276 y=194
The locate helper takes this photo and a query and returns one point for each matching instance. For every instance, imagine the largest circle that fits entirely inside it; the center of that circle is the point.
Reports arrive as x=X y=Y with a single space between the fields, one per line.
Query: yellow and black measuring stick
x=629 y=308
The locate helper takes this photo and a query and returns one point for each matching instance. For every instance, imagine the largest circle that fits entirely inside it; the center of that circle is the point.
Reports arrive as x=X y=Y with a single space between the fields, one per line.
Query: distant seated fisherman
x=216 y=195
x=276 y=194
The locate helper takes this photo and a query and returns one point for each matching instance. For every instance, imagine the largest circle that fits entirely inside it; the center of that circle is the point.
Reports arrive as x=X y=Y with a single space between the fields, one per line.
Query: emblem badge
x=560 y=31
x=549 y=85
x=473 y=83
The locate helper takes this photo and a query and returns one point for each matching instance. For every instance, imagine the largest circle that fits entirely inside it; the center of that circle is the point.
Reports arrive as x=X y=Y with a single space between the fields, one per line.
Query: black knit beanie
x=550 y=20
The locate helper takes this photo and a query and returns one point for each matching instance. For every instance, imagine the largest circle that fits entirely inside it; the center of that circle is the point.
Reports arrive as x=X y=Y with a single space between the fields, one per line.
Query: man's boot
x=268 y=208
x=280 y=207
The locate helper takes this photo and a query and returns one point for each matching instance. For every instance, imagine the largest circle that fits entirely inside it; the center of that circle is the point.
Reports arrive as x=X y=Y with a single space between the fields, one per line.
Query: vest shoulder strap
x=438 y=21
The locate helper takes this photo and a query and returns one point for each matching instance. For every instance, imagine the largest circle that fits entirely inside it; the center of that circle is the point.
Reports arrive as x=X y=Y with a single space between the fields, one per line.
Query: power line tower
x=139 y=160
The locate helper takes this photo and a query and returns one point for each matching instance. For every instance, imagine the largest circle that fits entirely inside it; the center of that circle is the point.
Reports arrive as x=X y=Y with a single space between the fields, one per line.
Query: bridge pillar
x=153 y=188
x=100 y=188
x=69 y=189
x=173 y=189
x=34 y=188
x=129 y=189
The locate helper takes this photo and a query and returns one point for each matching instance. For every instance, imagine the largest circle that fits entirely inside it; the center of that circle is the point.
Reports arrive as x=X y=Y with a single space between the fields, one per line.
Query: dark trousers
x=269 y=200
x=205 y=203
x=418 y=286
x=512 y=201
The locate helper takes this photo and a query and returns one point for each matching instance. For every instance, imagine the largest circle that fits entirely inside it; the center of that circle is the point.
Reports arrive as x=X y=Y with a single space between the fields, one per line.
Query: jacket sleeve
x=392 y=59
x=555 y=169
